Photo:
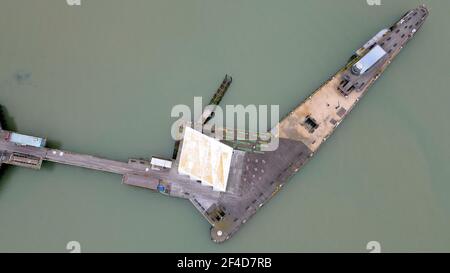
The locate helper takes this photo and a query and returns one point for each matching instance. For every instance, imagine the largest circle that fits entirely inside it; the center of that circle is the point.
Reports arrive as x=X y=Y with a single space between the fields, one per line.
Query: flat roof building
x=26 y=140
x=205 y=159
x=368 y=60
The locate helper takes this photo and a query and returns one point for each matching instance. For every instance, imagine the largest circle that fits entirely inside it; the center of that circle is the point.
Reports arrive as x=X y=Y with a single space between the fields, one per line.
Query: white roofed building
x=205 y=159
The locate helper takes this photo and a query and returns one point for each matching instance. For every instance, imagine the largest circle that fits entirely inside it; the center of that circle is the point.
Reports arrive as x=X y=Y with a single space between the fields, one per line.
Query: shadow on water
x=6 y=174
x=6 y=121
x=55 y=144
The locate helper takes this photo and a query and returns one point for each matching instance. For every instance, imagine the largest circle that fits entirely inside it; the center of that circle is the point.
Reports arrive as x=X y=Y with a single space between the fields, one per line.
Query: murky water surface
x=102 y=78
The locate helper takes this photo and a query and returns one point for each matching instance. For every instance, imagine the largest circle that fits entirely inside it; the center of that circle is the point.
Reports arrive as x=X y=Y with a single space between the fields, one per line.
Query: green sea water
x=101 y=78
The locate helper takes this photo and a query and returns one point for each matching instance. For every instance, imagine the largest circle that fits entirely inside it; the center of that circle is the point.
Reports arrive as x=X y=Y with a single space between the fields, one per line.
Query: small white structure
x=206 y=159
x=369 y=60
x=162 y=163
x=27 y=140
